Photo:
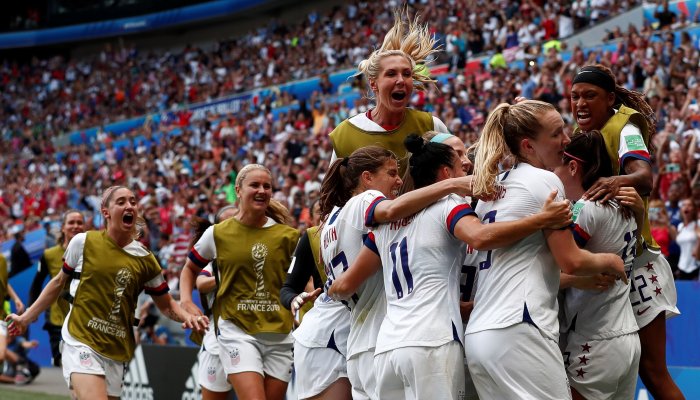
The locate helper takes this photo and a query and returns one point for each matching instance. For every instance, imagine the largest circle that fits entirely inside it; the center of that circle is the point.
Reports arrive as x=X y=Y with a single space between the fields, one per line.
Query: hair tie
x=574 y=157
x=441 y=137
x=595 y=76
x=344 y=161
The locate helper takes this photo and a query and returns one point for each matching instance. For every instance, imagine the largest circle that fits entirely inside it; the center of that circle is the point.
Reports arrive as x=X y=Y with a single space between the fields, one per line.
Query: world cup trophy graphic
x=259 y=252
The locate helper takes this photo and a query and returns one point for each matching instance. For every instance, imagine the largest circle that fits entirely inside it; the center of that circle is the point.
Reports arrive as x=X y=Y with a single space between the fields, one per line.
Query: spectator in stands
x=665 y=16
x=688 y=240
x=19 y=258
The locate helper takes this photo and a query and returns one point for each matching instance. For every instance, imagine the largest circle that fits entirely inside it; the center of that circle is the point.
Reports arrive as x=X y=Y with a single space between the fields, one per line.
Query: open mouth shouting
x=398 y=95
x=128 y=219
x=583 y=118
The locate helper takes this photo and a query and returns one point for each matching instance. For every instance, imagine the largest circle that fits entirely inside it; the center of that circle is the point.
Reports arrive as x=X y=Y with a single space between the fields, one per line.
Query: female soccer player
x=356 y=192
x=627 y=124
x=252 y=252
x=72 y=223
x=108 y=271
x=518 y=284
x=602 y=348
x=212 y=378
x=422 y=256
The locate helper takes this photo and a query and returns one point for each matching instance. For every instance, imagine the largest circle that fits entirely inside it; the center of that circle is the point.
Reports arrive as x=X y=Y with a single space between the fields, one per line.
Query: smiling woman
x=393 y=72
x=252 y=250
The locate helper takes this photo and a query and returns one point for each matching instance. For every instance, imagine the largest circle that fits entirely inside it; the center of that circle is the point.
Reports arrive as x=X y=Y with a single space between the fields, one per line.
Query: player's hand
x=190 y=307
x=301 y=299
x=462 y=186
x=199 y=323
x=20 y=306
x=555 y=214
x=16 y=324
x=598 y=282
x=603 y=190
x=629 y=197
x=616 y=267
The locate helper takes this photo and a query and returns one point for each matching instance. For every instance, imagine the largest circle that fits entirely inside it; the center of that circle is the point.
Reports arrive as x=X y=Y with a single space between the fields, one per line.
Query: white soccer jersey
x=520 y=282
x=592 y=314
x=341 y=241
x=421 y=265
x=327 y=324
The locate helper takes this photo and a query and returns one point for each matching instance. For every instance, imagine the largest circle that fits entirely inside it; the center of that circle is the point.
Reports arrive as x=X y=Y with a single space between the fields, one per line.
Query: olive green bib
x=611 y=133
x=347 y=138
x=54 y=262
x=314 y=234
x=253 y=264
x=4 y=280
x=102 y=316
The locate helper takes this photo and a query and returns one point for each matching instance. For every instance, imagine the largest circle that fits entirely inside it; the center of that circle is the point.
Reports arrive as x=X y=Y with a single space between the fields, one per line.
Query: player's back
x=518 y=283
x=421 y=262
x=602 y=229
x=341 y=240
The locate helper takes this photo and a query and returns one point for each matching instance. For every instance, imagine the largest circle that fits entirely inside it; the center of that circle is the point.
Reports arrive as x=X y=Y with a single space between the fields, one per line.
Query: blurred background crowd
x=184 y=167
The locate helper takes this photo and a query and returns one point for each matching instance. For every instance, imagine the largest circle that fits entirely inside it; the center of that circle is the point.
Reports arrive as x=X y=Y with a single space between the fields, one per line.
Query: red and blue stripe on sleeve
x=198 y=260
x=369 y=213
x=159 y=290
x=635 y=154
x=67 y=269
x=580 y=236
x=456 y=214
x=204 y=272
x=371 y=244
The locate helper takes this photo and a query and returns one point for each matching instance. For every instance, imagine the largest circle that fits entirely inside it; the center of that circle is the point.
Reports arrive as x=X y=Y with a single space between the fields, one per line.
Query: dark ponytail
x=589 y=149
x=427 y=159
x=343 y=177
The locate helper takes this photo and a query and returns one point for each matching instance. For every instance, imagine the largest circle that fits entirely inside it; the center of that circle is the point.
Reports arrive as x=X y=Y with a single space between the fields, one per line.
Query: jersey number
x=403 y=259
x=634 y=286
x=468 y=280
x=491 y=217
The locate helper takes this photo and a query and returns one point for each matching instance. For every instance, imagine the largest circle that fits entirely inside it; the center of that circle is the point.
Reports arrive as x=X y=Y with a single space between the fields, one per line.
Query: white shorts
x=267 y=354
x=316 y=369
x=603 y=369
x=469 y=388
x=3 y=328
x=210 y=372
x=362 y=376
x=516 y=362
x=652 y=288
x=83 y=360
x=414 y=373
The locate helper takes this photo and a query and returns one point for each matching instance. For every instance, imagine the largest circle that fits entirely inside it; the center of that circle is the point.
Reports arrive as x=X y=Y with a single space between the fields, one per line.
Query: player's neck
x=254 y=219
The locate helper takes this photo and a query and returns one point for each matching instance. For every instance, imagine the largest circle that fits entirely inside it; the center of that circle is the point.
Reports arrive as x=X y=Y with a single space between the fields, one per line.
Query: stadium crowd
x=192 y=173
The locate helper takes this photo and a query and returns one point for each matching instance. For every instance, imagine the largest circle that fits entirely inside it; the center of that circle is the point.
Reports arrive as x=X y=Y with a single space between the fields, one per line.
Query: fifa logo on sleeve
x=122 y=281
x=259 y=252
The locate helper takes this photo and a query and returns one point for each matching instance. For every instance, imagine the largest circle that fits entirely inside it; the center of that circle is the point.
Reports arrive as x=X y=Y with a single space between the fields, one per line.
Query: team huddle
x=521 y=268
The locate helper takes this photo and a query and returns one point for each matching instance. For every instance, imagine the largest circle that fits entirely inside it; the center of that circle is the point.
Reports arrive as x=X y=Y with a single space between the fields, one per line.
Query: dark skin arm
x=637 y=175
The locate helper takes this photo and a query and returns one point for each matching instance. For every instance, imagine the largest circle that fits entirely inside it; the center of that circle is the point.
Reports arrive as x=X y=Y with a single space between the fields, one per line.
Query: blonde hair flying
x=407 y=38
